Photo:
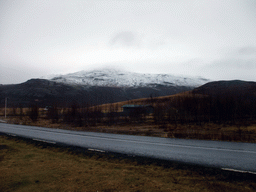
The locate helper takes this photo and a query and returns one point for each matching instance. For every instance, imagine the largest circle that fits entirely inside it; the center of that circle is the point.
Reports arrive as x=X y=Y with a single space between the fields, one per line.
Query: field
x=30 y=166
x=183 y=115
x=208 y=131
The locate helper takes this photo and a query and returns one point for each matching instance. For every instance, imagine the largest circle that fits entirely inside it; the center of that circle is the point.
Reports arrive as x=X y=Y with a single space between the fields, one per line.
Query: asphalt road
x=225 y=155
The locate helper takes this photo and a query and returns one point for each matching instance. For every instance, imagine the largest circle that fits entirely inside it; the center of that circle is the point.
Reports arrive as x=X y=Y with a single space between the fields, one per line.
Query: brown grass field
x=208 y=131
x=28 y=166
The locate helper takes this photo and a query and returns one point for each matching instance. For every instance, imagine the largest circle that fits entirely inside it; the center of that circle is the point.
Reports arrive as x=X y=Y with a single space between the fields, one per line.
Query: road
x=225 y=155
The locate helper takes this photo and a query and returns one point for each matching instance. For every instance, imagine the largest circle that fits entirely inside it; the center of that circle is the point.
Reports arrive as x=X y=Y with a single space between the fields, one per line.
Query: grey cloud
x=249 y=50
x=125 y=38
x=53 y=35
x=13 y=73
x=227 y=69
x=246 y=64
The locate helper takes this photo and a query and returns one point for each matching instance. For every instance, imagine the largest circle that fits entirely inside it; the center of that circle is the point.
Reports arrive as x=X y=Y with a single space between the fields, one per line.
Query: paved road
x=227 y=155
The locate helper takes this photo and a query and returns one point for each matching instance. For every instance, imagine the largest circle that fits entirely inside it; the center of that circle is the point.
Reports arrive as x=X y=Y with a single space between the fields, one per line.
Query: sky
x=214 y=39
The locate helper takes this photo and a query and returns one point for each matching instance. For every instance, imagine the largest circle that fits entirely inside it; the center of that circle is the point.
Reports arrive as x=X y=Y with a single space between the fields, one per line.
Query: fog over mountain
x=214 y=38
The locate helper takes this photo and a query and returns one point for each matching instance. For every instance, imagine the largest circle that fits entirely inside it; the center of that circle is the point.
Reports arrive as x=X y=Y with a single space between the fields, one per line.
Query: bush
x=34 y=112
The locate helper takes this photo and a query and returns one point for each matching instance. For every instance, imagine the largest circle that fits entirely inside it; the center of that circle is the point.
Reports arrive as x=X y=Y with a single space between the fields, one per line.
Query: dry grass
x=26 y=167
x=210 y=131
x=207 y=131
x=152 y=101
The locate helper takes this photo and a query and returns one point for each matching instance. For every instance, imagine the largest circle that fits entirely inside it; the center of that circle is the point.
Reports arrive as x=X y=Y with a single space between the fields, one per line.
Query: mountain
x=229 y=101
x=118 y=78
x=39 y=91
x=234 y=88
x=94 y=87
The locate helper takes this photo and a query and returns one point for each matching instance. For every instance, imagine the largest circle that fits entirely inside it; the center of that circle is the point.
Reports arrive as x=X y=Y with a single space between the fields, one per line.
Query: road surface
x=225 y=155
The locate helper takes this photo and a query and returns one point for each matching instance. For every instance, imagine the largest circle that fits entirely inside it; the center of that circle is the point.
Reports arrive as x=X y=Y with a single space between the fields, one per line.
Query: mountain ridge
x=45 y=92
x=119 y=78
x=230 y=88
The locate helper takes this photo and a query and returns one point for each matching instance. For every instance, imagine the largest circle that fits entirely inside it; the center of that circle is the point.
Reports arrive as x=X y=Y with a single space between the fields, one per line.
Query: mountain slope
x=94 y=87
x=45 y=92
x=233 y=88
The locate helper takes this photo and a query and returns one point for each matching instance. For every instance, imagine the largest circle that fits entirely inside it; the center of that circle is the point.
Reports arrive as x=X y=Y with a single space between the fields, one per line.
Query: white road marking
x=239 y=171
x=97 y=150
x=44 y=141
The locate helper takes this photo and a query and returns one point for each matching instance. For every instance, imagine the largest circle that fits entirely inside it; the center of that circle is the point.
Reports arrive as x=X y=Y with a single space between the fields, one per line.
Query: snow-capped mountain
x=118 y=78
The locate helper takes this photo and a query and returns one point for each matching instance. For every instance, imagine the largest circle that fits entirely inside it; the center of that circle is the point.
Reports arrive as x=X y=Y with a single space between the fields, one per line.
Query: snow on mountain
x=118 y=78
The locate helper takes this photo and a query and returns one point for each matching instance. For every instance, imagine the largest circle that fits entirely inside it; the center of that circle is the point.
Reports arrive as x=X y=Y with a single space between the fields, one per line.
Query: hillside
x=46 y=92
x=232 y=102
x=233 y=88
x=224 y=110
x=95 y=87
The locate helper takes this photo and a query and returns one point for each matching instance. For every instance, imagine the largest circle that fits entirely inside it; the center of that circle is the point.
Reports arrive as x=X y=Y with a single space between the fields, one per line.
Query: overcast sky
x=215 y=39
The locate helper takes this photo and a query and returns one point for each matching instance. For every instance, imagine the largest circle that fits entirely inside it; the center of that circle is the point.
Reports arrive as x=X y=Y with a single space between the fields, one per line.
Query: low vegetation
x=186 y=115
x=32 y=166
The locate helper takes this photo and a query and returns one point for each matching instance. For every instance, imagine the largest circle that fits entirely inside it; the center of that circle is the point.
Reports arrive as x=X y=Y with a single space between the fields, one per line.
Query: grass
x=30 y=166
x=206 y=131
